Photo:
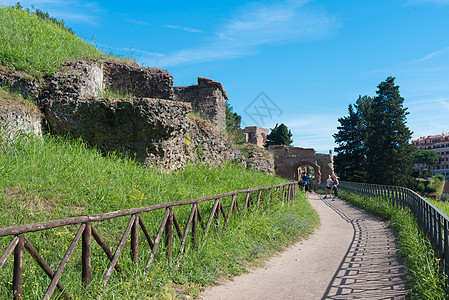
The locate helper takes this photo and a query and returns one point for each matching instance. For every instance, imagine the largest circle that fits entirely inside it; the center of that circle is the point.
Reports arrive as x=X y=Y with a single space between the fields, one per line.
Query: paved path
x=352 y=256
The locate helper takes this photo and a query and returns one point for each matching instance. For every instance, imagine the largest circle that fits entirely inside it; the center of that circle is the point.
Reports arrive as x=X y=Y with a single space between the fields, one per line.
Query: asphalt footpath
x=352 y=256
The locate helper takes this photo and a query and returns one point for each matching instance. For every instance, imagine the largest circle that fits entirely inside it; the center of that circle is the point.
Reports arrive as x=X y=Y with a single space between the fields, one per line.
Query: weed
x=114 y=94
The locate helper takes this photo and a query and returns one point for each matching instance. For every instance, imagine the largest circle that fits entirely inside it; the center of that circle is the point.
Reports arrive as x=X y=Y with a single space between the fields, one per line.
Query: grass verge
x=424 y=270
x=37 y=46
x=53 y=177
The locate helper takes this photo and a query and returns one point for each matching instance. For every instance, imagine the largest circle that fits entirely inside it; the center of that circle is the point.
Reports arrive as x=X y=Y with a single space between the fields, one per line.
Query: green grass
x=36 y=46
x=54 y=177
x=423 y=268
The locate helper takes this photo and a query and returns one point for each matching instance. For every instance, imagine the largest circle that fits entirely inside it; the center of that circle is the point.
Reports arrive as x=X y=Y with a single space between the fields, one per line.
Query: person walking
x=329 y=183
x=335 y=184
x=305 y=178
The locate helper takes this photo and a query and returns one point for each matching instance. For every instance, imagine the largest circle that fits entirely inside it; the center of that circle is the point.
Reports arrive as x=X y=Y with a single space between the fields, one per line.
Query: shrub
x=430 y=188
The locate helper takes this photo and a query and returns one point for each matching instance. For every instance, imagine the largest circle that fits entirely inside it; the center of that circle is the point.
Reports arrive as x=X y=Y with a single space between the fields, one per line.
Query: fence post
x=446 y=247
x=135 y=240
x=169 y=234
x=86 y=256
x=17 y=282
x=194 y=225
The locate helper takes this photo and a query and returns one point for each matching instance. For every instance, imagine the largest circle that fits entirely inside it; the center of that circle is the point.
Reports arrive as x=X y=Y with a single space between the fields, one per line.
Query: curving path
x=352 y=256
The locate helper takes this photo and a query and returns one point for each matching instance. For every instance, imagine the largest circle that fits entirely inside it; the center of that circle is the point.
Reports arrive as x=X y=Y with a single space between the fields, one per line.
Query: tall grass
x=37 y=46
x=54 y=177
x=427 y=280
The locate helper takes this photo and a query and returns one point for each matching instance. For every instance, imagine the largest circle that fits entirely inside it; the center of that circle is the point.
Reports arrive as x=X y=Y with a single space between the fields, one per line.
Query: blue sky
x=295 y=62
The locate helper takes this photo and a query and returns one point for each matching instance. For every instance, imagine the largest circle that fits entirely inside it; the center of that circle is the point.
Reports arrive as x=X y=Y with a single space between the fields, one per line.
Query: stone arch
x=315 y=166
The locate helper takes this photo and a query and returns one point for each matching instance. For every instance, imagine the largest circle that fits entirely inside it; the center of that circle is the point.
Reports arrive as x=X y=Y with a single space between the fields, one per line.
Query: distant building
x=440 y=144
x=256 y=135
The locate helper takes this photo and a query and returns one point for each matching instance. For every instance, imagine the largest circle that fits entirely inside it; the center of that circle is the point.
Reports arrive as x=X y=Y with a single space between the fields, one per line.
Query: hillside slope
x=37 y=46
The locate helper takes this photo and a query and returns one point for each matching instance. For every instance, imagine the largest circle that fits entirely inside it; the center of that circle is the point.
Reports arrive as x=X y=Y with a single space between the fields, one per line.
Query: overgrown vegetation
x=424 y=270
x=38 y=44
x=233 y=122
x=108 y=92
x=432 y=187
x=54 y=177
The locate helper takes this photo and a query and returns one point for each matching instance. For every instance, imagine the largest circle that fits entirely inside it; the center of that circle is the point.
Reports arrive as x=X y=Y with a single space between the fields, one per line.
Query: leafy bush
x=430 y=189
x=439 y=177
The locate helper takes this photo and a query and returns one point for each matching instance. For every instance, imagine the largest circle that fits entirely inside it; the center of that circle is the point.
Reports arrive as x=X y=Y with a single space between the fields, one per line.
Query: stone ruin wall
x=256 y=135
x=138 y=81
x=326 y=162
x=208 y=99
x=288 y=159
x=151 y=126
x=17 y=119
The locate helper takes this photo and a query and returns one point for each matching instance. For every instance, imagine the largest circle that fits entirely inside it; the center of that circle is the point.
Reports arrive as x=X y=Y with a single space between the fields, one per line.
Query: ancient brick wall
x=138 y=81
x=148 y=127
x=208 y=99
x=256 y=135
x=76 y=79
x=289 y=159
x=19 y=118
x=151 y=130
x=20 y=83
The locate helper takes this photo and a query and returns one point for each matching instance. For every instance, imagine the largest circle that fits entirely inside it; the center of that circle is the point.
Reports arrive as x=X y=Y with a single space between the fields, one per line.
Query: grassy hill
x=37 y=46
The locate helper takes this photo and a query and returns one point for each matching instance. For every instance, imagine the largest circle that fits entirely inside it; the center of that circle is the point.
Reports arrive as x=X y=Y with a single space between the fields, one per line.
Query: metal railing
x=433 y=222
x=171 y=225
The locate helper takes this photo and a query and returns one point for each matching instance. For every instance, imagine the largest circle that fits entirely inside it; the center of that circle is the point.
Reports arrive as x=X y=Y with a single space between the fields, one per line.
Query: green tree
x=233 y=122
x=350 y=161
x=428 y=157
x=388 y=148
x=279 y=135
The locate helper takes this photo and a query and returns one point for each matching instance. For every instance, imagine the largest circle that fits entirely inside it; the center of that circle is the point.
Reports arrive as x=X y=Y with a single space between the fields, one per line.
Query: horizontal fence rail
x=433 y=222
x=170 y=231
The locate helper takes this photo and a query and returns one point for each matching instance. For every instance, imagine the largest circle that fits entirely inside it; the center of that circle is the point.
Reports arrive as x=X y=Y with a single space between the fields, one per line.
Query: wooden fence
x=433 y=222
x=86 y=233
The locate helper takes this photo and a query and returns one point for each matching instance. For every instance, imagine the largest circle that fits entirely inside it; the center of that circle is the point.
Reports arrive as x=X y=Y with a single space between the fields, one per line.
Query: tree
x=388 y=148
x=233 y=121
x=279 y=135
x=428 y=157
x=350 y=161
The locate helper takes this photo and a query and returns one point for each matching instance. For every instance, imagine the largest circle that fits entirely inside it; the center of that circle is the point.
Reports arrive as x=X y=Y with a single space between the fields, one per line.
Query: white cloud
x=254 y=25
x=439 y=2
x=433 y=54
x=138 y=22
x=428 y=116
x=75 y=17
x=188 y=29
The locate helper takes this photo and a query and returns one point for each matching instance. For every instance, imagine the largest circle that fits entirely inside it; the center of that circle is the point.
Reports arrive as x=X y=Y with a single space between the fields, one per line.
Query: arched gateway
x=290 y=161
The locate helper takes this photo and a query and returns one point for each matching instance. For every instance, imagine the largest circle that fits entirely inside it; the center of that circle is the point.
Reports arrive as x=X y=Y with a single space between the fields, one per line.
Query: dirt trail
x=352 y=255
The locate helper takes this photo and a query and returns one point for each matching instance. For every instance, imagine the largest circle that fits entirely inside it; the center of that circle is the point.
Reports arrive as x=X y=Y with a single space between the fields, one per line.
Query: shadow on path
x=371 y=268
